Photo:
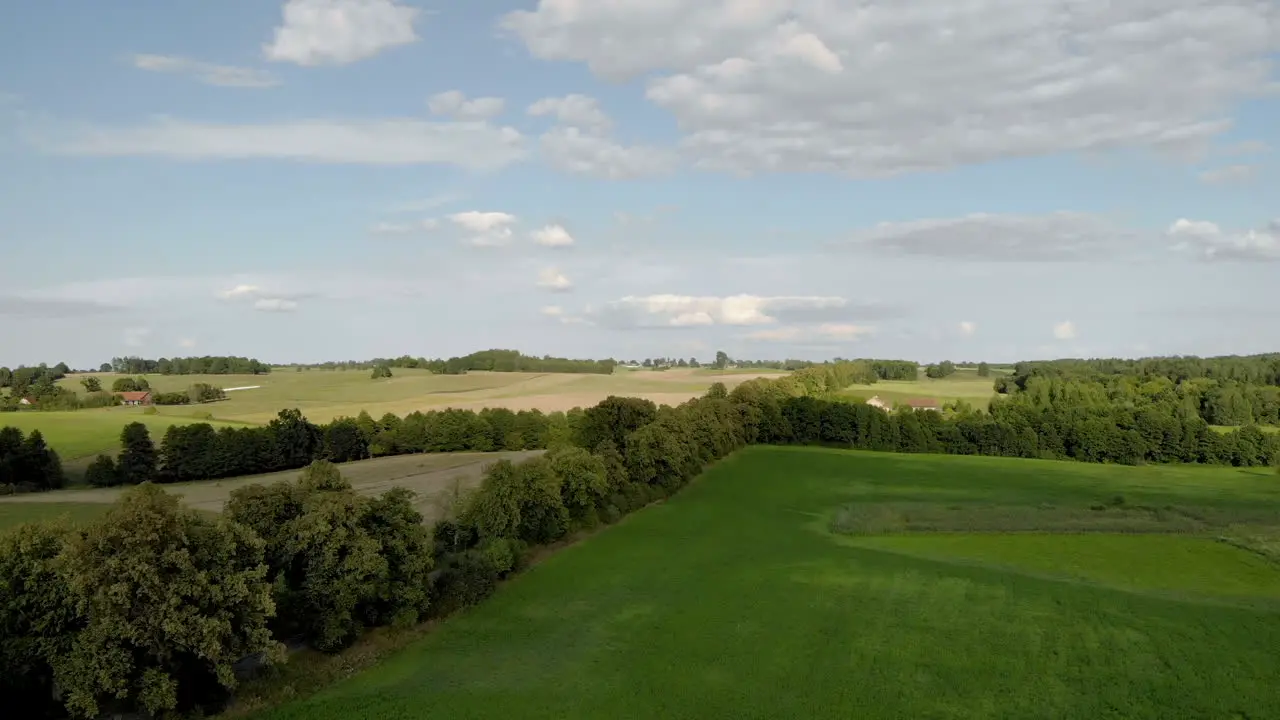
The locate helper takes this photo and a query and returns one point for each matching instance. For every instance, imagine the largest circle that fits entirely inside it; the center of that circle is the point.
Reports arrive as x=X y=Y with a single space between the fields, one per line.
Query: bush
x=102 y=472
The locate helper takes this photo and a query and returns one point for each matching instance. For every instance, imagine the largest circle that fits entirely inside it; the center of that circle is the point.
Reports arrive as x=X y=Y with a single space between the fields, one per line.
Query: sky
x=319 y=180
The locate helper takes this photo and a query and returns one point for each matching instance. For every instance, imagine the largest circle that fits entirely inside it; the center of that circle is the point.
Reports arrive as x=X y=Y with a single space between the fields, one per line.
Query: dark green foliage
x=91 y=384
x=613 y=419
x=208 y=365
x=129 y=384
x=338 y=561
x=102 y=472
x=38 y=618
x=946 y=368
x=28 y=463
x=381 y=371
x=204 y=392
x=171 y=398
x=138 y=461
x=170 y=600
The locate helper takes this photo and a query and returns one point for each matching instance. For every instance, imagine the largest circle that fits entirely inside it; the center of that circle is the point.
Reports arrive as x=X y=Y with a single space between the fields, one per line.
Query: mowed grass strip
x=733 y=600
x=1137 y=562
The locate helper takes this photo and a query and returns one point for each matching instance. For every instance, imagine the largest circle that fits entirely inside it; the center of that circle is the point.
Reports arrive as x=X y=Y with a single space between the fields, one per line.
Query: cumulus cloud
x=826 y=333
x=474 y=145
x=404 y=228
x=455 y=104
x=881 y=87
x=260 y=299
x=337 y=32
x=1065 y=330
x=485 y=229
x=554 y=280
x=967 y=328
x=207 y=73
x=687 y=310
x=553 y=235
x=578 y=111
x=1226 y=175
x=574 y=150
x=1058 y=236
x=1207 y=241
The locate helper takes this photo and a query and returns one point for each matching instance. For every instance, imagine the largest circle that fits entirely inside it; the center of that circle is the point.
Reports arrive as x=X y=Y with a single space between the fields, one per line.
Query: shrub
x=102 y=472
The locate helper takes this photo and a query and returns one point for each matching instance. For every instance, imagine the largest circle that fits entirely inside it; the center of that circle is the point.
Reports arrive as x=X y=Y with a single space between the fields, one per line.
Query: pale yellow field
x=434 y=477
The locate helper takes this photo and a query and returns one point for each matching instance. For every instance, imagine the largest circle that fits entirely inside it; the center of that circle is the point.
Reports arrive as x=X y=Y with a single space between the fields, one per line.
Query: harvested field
x=433 y=477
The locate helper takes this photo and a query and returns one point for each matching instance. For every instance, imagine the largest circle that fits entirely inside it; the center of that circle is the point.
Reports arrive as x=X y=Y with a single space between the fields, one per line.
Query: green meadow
x=808 y=583
x=965 y=385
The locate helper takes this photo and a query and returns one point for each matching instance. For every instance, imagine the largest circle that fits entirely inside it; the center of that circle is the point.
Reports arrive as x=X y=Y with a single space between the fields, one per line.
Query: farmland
x=965 y=385
x=324 y=395
x=432 y=477
x=792 y=582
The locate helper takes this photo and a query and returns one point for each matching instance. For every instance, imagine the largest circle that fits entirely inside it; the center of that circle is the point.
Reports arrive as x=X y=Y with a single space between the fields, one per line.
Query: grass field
x=745 y=597
x=434 y=477
x=963 y=385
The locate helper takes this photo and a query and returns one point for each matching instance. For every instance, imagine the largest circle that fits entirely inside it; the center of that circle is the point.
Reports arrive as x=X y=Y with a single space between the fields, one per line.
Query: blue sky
x=338 y=179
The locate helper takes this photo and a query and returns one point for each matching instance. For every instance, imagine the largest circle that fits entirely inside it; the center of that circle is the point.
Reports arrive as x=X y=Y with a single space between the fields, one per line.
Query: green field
x=12 y=514
x=765 y=590
x=963 y=385
x=80 y=435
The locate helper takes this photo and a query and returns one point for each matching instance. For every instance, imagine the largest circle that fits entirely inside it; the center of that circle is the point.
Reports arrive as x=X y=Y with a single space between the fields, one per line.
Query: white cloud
x=337 y=32
x=578 y=111
x=573 y=150
x=207 y=73
x=825 y=333
x=186 y=343
x=1228 y=174
x=1061 y=236
x=274 y=304
x=882 y=87
x=240 y=291
x=471 y=144
x=553 y=235
x=263 y=300
x=554 y=280
x=1209 y=242
x=485 y=229
x=967 y=328
x=1065 y=330
x=455 y=104
x=404 y=228
x=687 y=310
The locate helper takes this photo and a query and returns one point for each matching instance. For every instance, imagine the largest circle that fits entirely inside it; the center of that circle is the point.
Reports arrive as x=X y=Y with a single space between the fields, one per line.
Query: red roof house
x=142 y=397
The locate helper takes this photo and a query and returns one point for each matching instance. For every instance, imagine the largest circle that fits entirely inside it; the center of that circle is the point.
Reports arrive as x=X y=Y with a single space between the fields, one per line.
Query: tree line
x=1230 y=391
x=27 y=463
x=205 y=365
x=151 y=607
x=484 y=360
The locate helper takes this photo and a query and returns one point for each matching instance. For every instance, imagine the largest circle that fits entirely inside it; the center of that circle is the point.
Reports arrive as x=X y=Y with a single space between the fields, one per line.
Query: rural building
x=26 y=401
x=877 y=402
x=135 y=398
x=923 y=404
